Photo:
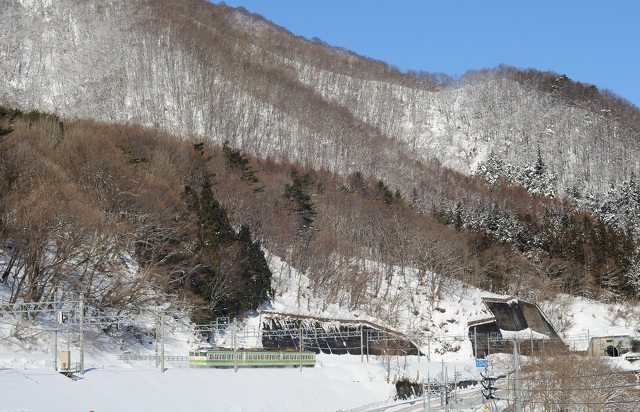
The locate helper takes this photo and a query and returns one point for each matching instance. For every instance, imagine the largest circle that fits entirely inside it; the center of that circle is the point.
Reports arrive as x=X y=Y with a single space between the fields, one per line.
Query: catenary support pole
x=234 y=338
x=55 y=342
x=443 y=379
x=488 y=344
x=361 y=345
x=517 y=378
x=155 y=344
x=429 y=390
x=82 y=333
x=475 y=343
x=367 y=346
x=55 y=350
x=531 y=354
x=162 y=343
x=69 y=335
x=455 y=384
x=446 y=389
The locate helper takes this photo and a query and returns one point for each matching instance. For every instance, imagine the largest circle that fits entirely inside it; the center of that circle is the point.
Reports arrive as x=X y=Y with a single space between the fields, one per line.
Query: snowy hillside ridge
x=408 y=303
x=181 y=67
x=619 y=206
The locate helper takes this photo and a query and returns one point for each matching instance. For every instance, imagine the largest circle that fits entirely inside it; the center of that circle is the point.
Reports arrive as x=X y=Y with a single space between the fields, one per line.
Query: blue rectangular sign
x=481 y=363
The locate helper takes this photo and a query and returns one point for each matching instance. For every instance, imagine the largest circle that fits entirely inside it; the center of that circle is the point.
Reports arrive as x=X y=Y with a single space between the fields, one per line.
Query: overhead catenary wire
x=564 y=377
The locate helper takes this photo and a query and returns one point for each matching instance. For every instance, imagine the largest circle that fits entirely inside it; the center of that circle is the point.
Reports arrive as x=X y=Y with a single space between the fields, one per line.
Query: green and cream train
x=254 y=358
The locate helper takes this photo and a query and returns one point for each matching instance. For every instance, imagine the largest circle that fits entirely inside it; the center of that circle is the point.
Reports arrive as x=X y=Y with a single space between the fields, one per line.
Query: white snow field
x=183 y=389
x=338 y=382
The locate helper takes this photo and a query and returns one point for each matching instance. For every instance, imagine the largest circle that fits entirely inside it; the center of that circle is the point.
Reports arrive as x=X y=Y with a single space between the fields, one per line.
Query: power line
x=563 y=377
x=635 y=402
x=636 y=385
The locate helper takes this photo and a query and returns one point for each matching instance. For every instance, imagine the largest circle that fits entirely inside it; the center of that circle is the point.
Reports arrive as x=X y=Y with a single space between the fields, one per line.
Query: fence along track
x=94 y=317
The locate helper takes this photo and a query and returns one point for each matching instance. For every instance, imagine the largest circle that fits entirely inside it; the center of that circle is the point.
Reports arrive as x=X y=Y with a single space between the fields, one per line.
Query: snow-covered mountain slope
x=195 y=68
x=408 y=302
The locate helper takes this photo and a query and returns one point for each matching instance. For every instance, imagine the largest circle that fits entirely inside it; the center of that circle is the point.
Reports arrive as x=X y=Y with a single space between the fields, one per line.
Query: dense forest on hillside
x=121 y=214
x=126 y=214
x=193 y=68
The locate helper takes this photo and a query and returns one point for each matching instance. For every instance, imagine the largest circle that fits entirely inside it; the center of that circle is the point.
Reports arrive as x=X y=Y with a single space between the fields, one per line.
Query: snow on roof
x=523 y=334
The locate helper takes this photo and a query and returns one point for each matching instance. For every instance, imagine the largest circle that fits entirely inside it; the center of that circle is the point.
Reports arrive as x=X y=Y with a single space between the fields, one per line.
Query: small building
x=613 y=346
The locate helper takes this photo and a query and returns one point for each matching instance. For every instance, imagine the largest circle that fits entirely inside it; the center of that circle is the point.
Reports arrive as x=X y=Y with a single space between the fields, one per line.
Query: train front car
x=219 y=358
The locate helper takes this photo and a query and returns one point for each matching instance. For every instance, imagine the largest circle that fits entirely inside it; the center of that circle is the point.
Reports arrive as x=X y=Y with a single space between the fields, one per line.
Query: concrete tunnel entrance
x=613 y=351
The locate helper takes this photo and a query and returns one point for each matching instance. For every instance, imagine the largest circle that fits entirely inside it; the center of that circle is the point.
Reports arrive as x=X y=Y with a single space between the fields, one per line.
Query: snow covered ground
x=579 y=319
x=29 y=383
x=336 y=383
x=183 y=389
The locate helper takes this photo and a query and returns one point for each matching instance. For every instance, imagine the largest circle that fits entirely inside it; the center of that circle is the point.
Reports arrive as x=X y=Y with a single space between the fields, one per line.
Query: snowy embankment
x=428 y=305
x=183 y=389
x=578 y=319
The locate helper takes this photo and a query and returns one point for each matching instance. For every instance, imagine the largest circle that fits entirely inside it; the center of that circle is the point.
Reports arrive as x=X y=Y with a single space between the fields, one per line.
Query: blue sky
x=595 y=42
